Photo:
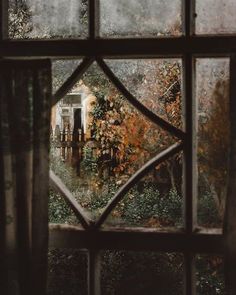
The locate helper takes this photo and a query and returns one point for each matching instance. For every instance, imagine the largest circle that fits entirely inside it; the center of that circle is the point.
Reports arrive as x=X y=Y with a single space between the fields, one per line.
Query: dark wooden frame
x=189 y=241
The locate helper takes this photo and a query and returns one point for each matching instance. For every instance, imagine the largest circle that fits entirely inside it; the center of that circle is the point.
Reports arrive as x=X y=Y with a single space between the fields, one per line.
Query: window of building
x=141 y=134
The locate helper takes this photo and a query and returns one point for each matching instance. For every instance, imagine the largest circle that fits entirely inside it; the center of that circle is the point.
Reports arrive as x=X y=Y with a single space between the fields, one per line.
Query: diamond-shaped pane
x=99 y=140
x=157 y=83
x=156 y=201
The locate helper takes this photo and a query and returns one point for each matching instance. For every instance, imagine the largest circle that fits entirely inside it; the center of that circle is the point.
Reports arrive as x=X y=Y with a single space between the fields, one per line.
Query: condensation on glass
x=210 y=275
x=126 y=272
x=215 y=17
x=212 y=91
x=156 y=83
x=46 y=19
x=140 y=18
x=99 y=140
x=67 y=271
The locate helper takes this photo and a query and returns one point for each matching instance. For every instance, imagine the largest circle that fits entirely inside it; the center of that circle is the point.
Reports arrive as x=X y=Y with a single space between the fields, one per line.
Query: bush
x=207 y=211
x=140 y=206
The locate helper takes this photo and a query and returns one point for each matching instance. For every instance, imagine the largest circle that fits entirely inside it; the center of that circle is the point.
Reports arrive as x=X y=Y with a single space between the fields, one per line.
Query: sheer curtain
x=25 y=103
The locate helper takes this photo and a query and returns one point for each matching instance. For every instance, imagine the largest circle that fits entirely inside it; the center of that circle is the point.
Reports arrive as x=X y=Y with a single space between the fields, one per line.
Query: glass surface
x=59 y=211
x=155 y=201
x=62 y=69
x=67 y=272
x=212 y=89
x=157 y=83
x=46 y=19
x=139 y=273
x=215 y=17
x=100 y=141
x=140 y=18
x=210 y=275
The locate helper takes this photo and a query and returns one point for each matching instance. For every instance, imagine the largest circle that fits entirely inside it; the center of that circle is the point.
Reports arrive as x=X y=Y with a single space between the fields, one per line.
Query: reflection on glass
x=67 y=272
x=212 y=89
x=33 y=19
x=215 y=17
x=155 y=202
x=140 y=18
x=138 y=273
x=210 y=275
x=99 y=140
x=157 y=83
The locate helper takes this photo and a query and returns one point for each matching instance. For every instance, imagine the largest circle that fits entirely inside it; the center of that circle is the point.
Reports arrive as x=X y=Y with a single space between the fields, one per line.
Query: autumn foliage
x=117 y=125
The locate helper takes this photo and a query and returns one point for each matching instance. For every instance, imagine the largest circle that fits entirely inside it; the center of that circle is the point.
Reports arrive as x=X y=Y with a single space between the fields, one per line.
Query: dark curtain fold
x=25 y=104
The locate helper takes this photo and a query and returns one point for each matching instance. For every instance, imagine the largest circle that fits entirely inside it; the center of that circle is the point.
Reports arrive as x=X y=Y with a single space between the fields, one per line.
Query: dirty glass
x=46 y=19
x=212 y=91
x=140 y=18
x=156 y=83
x=215 y=17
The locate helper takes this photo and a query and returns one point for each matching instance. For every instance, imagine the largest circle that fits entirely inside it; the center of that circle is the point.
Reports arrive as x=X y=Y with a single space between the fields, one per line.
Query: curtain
x=25 y=103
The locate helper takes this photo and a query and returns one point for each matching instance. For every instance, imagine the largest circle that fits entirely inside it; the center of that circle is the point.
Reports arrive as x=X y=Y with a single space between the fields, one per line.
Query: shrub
x=140 y=206
x=207 y=211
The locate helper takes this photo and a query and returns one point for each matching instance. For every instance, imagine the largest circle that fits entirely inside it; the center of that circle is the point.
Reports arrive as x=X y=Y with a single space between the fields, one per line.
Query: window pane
x=67 y=272
x=140 y=18
x=215 y=17
x=99 y=140
x=32 y=19
x=213 y=138
x=155 y=202
x=138 y=273
x=156 y=83
x=210 y=275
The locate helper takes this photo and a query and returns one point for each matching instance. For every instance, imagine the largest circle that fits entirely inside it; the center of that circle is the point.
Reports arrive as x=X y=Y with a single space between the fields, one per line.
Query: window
x=201 y=52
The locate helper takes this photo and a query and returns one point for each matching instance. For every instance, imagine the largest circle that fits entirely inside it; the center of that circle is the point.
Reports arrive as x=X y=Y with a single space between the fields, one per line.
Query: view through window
x=139 y=142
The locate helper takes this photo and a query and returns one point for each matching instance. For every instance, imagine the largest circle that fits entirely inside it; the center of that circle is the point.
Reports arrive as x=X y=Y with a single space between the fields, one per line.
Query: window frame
x=191 y=240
